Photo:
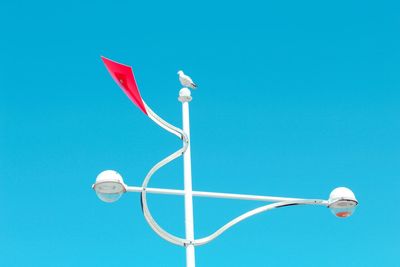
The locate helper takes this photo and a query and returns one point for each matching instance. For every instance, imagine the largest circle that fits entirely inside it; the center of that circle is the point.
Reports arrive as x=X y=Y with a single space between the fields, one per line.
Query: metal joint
x=188 y=243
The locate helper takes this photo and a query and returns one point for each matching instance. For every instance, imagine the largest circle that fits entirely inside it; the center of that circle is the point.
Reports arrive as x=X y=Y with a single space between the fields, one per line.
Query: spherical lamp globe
x=342 y=202
x=109 y=186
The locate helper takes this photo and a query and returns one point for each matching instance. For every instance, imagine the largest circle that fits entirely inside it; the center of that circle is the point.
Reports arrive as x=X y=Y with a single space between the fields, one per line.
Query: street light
x=342 y=202
x=110 y=186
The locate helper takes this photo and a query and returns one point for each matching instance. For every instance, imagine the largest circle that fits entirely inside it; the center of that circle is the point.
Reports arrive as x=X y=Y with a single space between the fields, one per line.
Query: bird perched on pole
x=186 y=81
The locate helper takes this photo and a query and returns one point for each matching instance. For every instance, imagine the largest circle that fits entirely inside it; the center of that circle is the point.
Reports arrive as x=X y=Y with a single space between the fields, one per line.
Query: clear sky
x=295 y=98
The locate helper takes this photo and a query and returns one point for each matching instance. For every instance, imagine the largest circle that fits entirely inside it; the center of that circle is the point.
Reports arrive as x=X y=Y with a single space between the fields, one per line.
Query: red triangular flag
x=123 y=76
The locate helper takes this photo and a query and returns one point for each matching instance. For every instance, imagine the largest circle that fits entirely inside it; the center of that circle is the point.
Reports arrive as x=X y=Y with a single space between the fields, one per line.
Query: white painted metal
x=251 y=213
x=190 y=243
x=163 y=124
x=279 y=202
x=342 y=193
x=178 y=192
x=146 y=212
x=340 y=196
x=184 y=97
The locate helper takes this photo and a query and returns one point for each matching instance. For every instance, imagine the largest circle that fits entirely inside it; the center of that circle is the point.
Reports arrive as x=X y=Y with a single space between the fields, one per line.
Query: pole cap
x=184 y=95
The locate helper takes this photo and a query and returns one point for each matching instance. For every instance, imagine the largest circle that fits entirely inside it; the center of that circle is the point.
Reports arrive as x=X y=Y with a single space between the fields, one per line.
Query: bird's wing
x=182 y=80
x=188 y=79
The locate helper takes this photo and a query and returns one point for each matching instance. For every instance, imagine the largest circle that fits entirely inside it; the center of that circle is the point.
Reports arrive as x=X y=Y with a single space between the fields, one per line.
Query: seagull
x=186 y=80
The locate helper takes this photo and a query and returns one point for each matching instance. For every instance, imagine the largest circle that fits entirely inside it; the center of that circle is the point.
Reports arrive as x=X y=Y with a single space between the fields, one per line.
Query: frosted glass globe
x=109 y=186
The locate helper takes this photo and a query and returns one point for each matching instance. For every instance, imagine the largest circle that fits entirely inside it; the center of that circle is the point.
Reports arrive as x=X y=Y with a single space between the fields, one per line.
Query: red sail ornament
x=123 y=76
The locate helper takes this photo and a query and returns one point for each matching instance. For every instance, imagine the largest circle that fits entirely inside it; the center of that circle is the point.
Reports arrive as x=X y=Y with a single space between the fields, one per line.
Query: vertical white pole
x=185 y=98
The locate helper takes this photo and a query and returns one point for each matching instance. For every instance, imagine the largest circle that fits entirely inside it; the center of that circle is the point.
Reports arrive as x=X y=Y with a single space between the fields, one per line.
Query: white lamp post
x=110 y=186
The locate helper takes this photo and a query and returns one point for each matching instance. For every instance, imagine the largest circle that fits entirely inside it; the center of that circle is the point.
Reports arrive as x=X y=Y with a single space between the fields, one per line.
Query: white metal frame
x=109 y=184
x=189 y=242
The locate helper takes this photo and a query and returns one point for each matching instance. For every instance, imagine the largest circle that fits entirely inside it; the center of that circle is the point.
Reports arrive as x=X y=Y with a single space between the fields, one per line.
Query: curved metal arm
x=123 y=76
x=165 y=125
x=205 y=240
x=146 y=212
x=202 y=241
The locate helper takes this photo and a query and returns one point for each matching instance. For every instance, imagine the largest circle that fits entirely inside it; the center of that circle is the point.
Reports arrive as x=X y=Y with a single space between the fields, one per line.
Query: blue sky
x=294 y=99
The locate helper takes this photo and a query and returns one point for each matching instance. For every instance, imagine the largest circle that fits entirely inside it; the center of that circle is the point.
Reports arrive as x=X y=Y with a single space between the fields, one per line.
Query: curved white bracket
x=123 y=76
x=205 y=240
x=197 y=242
x=146 y=212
